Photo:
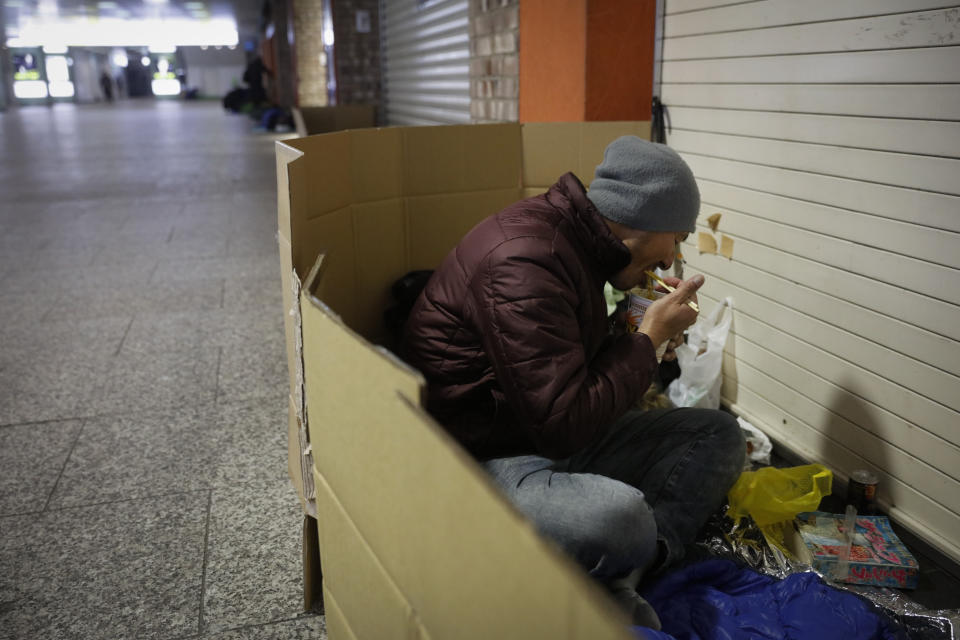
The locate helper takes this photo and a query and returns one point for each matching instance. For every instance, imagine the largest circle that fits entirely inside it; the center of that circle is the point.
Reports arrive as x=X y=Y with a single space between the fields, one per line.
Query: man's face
x=648 y=250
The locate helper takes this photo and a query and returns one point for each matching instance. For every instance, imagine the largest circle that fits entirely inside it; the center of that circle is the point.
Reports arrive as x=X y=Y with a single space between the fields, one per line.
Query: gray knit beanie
x=645 y=185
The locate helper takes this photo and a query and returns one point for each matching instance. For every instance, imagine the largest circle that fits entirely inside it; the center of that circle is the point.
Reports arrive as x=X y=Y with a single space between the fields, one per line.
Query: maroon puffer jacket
x=512 y=334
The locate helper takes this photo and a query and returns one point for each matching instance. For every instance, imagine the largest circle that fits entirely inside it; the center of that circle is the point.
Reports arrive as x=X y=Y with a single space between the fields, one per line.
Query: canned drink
x=862 y=491
x=637 y=308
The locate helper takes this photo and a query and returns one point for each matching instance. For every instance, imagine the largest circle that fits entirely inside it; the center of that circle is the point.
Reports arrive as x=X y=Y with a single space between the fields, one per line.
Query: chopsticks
x=693 y=305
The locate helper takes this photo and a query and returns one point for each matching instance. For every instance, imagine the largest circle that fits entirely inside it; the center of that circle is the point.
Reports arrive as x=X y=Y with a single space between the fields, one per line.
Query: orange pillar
x=586 y=59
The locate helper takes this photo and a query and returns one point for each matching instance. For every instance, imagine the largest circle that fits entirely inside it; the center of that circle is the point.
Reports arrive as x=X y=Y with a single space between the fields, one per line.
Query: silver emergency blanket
x=744 y=542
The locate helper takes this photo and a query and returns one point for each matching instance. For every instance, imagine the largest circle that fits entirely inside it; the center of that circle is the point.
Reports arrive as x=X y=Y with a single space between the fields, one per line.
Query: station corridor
x=144 y=490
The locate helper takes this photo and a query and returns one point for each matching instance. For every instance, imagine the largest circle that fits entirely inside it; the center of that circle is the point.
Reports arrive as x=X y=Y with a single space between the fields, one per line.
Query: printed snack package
x=877 y=556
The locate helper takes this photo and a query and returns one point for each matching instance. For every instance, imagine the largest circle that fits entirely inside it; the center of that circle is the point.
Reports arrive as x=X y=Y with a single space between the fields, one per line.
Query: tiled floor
x=143 y=491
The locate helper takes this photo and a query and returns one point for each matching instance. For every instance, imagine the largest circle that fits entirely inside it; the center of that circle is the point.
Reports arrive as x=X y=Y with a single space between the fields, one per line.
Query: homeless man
x=512 y=335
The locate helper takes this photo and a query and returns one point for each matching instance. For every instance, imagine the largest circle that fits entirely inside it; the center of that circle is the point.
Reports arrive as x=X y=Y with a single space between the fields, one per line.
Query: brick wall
x=278 y=56
x=494 y=61
x=311 y=61
x=357 y=54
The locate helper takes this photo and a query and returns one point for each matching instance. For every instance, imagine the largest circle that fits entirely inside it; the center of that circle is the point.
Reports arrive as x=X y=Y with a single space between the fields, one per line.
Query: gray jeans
x=655 y=476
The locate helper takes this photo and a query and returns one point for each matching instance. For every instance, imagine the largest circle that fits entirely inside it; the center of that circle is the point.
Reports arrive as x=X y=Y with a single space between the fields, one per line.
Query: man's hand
x=671 y=353
x=671 y=314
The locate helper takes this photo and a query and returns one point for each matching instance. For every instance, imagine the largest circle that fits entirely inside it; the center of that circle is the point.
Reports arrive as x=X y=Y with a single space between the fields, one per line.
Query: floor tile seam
x=218 y=272
x=216 y=390
x=201 y=623
x=138 y=498
x=224 y=487
x=252 y=625
x=62 y=282
x=164 y=345
x=32 y=423
x=190 y=279
x=126 y=332
x=159 y=411
x=63 y=467
x=57 y=419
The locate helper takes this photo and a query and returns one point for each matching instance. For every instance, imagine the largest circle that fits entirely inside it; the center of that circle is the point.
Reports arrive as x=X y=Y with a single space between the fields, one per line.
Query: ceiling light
x=145 y=61
x=113 y=32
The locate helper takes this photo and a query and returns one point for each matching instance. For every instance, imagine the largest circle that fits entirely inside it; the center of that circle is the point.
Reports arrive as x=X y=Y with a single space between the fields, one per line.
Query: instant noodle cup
x=639 y=301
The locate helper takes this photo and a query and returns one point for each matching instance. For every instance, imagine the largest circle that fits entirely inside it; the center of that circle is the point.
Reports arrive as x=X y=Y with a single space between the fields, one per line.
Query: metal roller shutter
x=828 y=136
x=426 y=53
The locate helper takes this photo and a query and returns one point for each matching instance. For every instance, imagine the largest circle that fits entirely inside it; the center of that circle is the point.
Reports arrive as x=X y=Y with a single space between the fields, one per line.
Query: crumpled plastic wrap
x=744 y=542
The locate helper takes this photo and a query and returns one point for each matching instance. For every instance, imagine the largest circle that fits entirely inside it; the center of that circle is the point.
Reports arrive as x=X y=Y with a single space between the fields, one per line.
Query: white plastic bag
x=759 y=446
x=699 y=381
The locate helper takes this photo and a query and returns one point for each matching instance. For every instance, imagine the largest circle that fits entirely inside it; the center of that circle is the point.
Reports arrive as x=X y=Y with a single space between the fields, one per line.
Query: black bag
x=405 y=292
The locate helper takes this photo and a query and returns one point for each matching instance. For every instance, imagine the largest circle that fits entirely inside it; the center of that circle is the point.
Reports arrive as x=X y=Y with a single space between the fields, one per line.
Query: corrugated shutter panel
x=426 y=53
x=827 y=134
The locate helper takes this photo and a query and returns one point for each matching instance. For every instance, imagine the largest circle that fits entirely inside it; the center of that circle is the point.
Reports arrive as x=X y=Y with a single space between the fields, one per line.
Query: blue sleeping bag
x=719 y=600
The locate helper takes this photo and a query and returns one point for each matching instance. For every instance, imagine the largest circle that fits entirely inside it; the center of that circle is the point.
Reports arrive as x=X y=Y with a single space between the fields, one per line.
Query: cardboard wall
x=315 y=120
x=401 y=507
x=415 y=540
x=386 y=201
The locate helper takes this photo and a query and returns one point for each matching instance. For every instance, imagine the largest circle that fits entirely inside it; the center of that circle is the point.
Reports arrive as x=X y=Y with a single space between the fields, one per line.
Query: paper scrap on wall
x=706 y=243
x=726 y=247
x=714 y=221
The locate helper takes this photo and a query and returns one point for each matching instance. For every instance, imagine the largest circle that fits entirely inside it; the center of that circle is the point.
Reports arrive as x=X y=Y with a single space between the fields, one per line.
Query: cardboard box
x=310 y=121
x=877 y=557
x=415 y=541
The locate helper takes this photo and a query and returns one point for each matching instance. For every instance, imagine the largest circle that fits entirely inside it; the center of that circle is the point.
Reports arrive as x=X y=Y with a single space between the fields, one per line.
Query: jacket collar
x=569 y=196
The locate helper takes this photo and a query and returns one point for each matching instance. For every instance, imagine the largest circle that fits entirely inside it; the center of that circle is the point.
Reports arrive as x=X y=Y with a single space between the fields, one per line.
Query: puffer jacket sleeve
x=524 y=304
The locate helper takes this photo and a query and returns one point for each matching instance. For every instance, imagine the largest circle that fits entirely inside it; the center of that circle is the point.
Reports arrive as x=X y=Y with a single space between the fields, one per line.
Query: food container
x=639 y=301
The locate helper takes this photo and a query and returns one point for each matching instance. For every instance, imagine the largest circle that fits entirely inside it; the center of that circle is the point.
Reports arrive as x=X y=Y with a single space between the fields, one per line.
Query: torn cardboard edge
x=299 y=404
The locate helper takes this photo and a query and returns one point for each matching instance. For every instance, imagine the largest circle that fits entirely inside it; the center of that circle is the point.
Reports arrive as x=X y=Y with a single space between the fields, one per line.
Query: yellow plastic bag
x=770 y=495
